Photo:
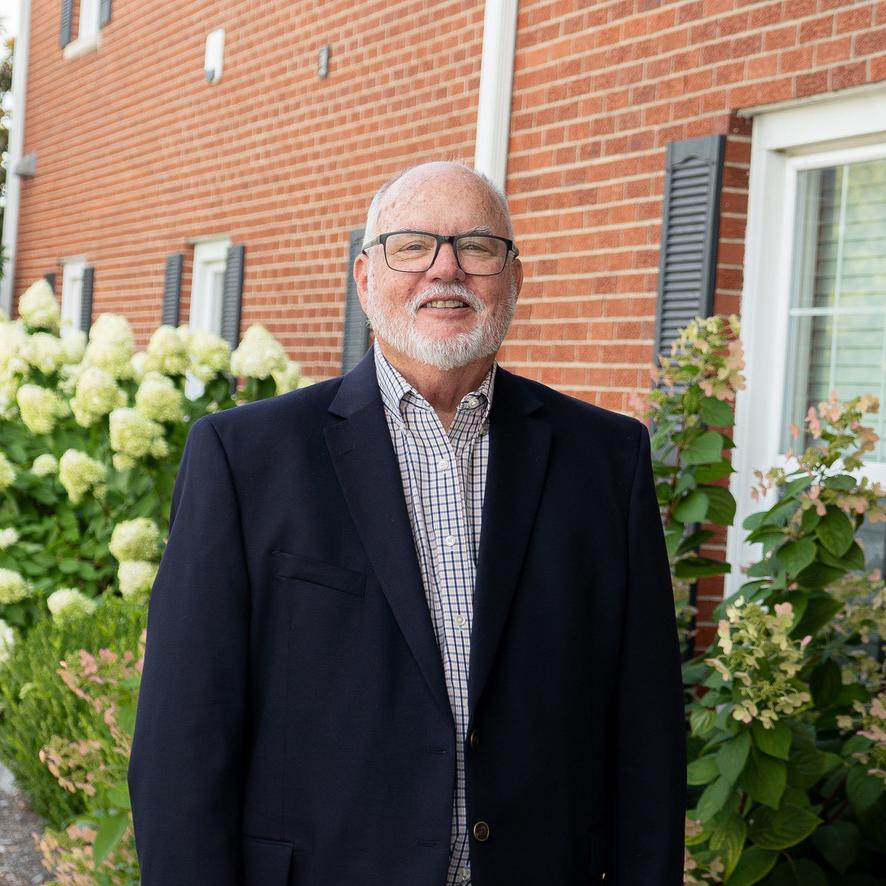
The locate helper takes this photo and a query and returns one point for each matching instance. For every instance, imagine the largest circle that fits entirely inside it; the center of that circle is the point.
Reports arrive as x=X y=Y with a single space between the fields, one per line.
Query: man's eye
x=476 y=246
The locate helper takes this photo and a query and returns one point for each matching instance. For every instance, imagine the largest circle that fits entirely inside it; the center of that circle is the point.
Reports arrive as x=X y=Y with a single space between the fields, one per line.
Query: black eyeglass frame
x=441 y=239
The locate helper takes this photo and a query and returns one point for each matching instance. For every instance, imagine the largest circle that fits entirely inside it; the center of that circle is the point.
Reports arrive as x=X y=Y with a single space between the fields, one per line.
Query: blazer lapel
x=367 y=469
x=518 y=459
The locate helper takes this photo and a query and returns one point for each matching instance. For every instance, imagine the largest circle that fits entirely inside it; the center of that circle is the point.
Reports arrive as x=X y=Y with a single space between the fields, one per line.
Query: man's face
x=442 y=317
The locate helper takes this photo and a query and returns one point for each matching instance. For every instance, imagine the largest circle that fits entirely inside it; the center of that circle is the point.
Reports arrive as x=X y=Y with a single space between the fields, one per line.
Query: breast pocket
x=300 y=569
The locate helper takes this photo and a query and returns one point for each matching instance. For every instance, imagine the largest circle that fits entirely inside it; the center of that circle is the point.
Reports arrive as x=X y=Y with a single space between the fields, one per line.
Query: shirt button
x=443 y=462
x=474 y=739
x=460 y=621
x=449 y=541
x=471 y=402
x=464 y=875
x=481 y=831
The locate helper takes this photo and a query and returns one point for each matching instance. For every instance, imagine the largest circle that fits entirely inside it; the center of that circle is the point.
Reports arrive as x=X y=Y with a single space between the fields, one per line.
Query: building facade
x=165 y=178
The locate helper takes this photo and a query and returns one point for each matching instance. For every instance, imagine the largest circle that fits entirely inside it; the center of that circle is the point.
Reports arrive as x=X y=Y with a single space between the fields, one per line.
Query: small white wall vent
x=215 y=55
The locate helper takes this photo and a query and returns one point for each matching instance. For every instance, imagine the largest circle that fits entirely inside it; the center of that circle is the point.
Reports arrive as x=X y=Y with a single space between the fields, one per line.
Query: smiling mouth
x=444 y=303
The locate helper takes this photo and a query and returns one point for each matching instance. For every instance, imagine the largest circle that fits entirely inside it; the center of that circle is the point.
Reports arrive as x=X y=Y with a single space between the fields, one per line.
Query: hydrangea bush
x=91 y=434
x=787 y=742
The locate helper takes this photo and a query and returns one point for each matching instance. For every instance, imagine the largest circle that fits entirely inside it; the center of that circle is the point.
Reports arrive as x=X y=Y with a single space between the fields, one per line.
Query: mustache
x=445 y=290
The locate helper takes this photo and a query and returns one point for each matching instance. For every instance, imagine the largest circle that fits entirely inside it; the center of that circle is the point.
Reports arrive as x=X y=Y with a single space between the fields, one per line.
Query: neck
x=442 y=388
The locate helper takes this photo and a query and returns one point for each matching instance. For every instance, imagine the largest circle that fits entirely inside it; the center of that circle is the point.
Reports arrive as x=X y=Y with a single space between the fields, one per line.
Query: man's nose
x=445 y=266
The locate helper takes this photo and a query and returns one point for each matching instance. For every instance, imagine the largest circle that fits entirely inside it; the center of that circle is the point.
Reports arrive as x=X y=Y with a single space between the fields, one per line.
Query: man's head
x=457 y=310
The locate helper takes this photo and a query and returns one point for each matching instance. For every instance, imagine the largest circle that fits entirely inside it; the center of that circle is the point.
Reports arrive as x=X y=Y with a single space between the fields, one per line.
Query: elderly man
x=413 y=626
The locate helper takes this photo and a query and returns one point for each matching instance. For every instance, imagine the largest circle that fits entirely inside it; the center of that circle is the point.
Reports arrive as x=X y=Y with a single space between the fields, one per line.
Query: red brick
x=855 y=19
x=833 y=51
x=848 y=75
x=870 y=43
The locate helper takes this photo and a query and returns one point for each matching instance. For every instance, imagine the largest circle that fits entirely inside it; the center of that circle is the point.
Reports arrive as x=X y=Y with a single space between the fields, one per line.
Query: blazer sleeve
x=650 y=734
x=185 y=772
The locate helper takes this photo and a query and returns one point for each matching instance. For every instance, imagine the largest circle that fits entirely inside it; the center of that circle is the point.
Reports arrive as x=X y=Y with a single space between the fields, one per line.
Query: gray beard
x=400 y=333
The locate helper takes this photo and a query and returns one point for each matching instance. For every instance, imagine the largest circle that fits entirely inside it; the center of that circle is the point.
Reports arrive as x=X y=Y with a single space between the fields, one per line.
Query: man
x=414 y=626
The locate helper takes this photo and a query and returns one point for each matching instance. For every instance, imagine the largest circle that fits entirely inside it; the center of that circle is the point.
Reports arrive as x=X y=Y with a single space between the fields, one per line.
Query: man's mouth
x=444 y=303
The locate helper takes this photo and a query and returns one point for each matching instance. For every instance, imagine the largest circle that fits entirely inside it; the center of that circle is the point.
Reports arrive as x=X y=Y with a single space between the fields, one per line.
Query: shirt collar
x=397 y=393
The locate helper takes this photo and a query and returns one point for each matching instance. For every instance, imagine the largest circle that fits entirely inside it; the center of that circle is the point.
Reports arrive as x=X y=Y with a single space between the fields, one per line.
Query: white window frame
x=72 y=294
x=784 y=142
x=89 y=32
x=210 y=257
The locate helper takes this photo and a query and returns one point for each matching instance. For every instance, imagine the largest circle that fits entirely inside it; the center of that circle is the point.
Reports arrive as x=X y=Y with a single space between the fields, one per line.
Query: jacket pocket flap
x=266 y=862
x=317 y=572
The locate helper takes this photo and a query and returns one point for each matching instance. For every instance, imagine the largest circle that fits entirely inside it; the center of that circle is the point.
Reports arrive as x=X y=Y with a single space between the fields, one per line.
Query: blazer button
x=481 y=831
x=473 y=739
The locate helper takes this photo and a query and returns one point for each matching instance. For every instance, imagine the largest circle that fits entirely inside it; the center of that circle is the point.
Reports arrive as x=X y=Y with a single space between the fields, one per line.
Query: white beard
x=397 y=327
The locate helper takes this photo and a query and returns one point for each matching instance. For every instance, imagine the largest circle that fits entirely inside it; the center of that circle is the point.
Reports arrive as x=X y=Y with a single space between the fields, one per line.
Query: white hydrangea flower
x=139 y=363
x=123 y=462
x=7 y=641
x=136 y=578
x=13 y=586
x=79 y=473
x=159 y=399
x=38 y=307
x=259 y=354
x=111 y=345
x=45 y=465
x=7 y=472
x=13 y=345
x=96 y=395
x=288 y=379
x=210 y=354
x=134 y=434
x=66 y=604
x=73 y=346
x=44 y=352
x=8 y=537
x=305 y=382
x=40 y=408
x=137 y=539
x=167 y=352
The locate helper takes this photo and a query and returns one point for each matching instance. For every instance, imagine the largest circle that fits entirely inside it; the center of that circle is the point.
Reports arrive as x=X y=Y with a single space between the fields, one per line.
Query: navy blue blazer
x=293 y=726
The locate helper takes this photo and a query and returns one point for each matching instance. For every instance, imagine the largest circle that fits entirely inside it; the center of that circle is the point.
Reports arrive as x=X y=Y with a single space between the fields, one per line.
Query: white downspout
x=496 y=82
x=16 y=146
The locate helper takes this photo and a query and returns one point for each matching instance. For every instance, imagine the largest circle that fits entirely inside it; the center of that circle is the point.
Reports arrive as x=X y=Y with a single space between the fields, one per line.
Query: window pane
x=837 y=331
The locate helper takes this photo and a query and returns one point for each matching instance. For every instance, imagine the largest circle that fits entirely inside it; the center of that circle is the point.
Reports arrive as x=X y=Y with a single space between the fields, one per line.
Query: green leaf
x=110 y=832
x=809 y=521
x=696 y=567
x=825 y=682
x=766 y=533
x=817 y=575
x=807 y=764
x=702 y=771
x=838 y=844
x=704 y=450
x=835 y=531
x=69 y=567
x=797 y=872
x=728 y=839
x=692 y=509
x=713 y=799
x=753 y=521
x=701 y=721
x=754 y=864
x=695 y=540
x=863 y=790
x=733 y=755
x=873 y=823
x=795 y=555
x=820 y=610
x=118 y=795
x=794 y=487
x=776 y=742
x=716 y=471
x=721 y=505
x=844 y=482
x=717 y=412
x=673 y=539
x=781 y=828
x=764 y=778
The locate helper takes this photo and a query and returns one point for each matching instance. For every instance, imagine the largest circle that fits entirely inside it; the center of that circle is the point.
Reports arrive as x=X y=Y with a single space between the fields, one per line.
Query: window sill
x=83 y=45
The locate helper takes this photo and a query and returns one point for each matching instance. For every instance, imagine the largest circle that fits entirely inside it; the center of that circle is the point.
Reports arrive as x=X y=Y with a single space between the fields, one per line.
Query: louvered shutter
x=49 y=277
x=172 y=287
x=86 y=299
x=232 y=294
x=689 y=235
x=67 y=23
x=105 y=12
x=356 y=332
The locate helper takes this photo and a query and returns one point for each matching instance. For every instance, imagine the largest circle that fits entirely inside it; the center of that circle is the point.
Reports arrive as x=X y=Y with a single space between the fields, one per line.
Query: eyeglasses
x=414 y=252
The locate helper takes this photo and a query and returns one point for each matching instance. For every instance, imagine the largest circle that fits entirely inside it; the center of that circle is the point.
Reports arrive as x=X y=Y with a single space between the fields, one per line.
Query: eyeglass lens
x=476 y=254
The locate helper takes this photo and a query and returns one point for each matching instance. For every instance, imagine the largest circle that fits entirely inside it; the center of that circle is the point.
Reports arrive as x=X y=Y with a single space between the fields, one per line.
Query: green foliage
x=36 y=705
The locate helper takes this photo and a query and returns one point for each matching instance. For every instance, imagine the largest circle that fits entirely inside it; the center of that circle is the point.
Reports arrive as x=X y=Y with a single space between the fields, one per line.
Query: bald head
x=418 y=183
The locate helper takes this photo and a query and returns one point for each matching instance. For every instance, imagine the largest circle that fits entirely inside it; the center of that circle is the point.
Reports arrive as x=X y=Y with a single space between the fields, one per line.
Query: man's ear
x=518 y=276
x=361 y=277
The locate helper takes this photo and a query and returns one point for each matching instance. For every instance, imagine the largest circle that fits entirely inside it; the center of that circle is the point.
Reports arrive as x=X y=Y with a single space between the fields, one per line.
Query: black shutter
x=49 y=277
x=172 y=288
x=105 y=12
x=67 y=23
x=232 y=294
x=356 y=332
x=86 y=298
x=689 y=234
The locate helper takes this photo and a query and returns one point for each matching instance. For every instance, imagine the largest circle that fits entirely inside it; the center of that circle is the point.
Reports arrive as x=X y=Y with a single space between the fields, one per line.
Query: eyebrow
x=481 y=229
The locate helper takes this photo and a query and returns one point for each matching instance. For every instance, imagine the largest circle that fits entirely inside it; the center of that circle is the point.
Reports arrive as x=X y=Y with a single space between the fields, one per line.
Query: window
x=86 y=18
x=814 y=301
x=72 y=295
x=207 y=294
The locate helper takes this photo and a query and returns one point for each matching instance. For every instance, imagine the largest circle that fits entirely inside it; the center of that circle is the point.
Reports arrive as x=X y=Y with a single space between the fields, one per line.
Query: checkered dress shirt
x=444 y=478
